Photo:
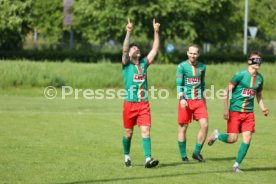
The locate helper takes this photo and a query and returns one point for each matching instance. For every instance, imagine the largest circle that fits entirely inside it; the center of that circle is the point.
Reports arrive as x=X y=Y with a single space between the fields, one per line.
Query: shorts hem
x=181 y=123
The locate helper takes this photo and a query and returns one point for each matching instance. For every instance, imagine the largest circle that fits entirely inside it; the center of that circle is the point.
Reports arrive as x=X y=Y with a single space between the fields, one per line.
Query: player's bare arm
x=228 y=89
x=203 y=87
x=261 y=104
x=129 y=28
x=155 y=45
x=204 y=99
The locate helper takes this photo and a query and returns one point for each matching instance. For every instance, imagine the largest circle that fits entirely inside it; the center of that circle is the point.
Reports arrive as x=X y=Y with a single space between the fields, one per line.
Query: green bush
x=92 y=56
x=207 y=58
x=62 y=55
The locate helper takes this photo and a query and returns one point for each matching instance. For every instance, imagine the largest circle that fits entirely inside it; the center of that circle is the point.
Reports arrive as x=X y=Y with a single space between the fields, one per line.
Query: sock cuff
x=144 y=139
x=243 y=143
x=181 y=142
x=125 y=138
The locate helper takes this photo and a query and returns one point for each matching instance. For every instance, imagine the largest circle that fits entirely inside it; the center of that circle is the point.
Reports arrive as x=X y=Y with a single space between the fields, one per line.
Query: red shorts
x=196 y=109
x=241 y=122
x=136 y=113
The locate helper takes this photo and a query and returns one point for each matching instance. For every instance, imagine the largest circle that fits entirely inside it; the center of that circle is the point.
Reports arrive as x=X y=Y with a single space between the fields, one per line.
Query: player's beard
x=193 y=60
x=136 y=55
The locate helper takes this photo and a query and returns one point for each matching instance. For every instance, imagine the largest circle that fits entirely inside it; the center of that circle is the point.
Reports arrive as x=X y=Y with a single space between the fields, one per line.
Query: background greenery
x=100 y=24
x=116 y=56
x=28 y=74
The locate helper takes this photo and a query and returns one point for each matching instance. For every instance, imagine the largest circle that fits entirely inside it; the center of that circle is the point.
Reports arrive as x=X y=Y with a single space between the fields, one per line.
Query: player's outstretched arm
x=203 y=87
x=129 y=28
x=228 y=90
x=261 y=104
x=155 y=45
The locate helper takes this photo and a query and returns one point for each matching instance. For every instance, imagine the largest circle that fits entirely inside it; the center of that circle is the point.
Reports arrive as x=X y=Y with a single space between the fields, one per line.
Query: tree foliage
x=201 y=21
x=47 y=17
x=14 y=22
x=97 y=21
x=263 y=15
x=19 y=17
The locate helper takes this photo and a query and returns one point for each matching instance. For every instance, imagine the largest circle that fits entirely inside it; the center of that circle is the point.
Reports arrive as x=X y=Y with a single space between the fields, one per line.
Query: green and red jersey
x=135 y=81
x=190 y=79
x=246 y=86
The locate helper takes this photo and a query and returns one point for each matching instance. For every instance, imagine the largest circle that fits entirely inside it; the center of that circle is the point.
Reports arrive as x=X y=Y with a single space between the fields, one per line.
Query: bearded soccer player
x=244 y=86
x=136 y=106
x=190 y=81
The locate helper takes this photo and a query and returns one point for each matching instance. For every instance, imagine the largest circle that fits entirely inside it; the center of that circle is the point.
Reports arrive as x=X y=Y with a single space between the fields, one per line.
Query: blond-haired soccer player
x=190 y=82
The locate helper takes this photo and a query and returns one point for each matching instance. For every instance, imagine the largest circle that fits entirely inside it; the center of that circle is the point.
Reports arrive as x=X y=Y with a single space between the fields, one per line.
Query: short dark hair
x=194 y=45
x=255 y=52
x=132 y=45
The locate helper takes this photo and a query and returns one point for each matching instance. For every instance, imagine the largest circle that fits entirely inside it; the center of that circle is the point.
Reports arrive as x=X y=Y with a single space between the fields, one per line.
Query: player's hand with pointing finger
x=156 y=26
x=129 y=26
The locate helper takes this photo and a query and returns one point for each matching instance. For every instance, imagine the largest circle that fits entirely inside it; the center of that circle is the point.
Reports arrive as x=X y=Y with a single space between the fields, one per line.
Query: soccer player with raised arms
x=244 y=85
x=136 y=106
x=190 y=82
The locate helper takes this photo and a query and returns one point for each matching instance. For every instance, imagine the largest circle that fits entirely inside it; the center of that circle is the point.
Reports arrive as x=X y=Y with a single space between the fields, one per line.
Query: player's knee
x=183 y=127
x=232 y=139
x=247 y=139
x=181 y=130
x=128 y=133
x=145 y=133
x=129 y=136
x=204 y=126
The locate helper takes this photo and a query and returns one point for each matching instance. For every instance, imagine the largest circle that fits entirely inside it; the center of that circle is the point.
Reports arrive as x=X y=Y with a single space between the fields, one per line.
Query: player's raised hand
x=129 y=26
x=156 y=26
x=265 y=112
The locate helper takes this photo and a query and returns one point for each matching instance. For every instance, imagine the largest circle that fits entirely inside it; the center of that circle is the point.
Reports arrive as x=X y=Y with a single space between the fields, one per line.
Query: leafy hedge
x=62 y=55
x=217 y=57
x=91 y=56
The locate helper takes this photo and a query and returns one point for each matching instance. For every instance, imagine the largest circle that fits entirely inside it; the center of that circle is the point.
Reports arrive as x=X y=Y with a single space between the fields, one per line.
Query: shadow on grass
x=143 y=177
x=172 y=164
x=260 y=169
x=179 y=163
x=169 y=175
x=222 y=159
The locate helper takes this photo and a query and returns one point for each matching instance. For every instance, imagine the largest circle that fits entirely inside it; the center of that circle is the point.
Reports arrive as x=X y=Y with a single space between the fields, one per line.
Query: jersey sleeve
x=179 y=79
x=236 y=78
x=145 y=62
x=260 y=88
x=125 y=66
x=203 y=79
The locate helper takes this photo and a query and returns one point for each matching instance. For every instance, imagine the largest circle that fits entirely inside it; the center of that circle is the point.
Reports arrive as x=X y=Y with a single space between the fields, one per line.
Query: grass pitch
x=79 y=141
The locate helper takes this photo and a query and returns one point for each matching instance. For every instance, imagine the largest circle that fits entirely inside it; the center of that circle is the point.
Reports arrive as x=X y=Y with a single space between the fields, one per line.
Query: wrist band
x=182 y=98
